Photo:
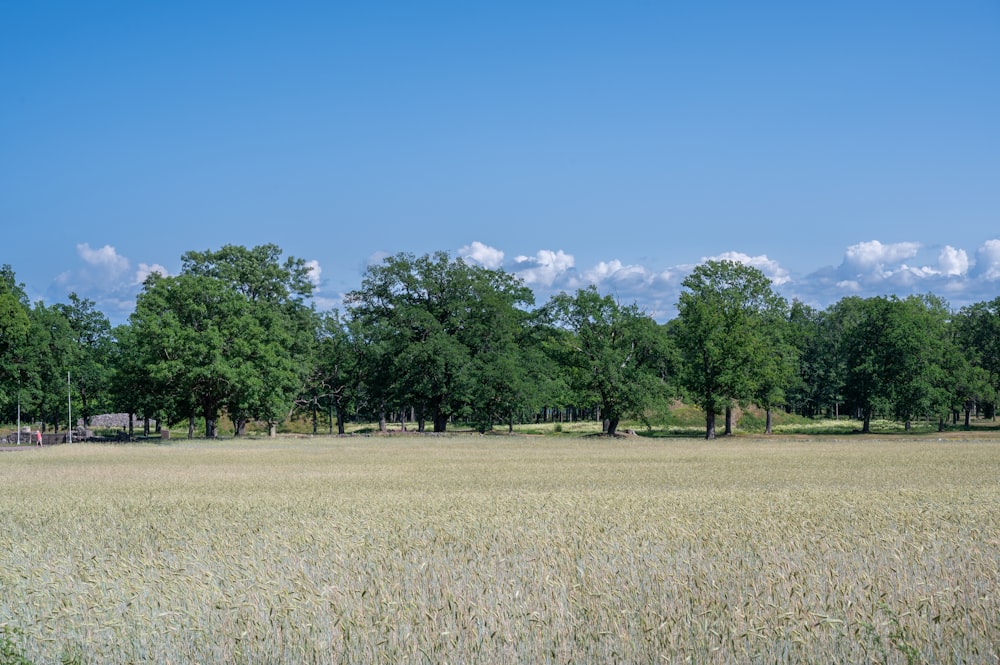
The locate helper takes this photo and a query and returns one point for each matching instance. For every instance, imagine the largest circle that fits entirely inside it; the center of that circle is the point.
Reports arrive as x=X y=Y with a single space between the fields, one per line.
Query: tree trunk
x=272 y=428
x=940 y=424
x=729 y=421
x=769 y=422
x=211 y=430
x=315 y=410
x=906 y=425
x=241 y=427
x=606 y=427
x=131 y=425
x=867 y=427
x=191 y=427
x=612 y=426
x=340 y=419
x=381 y=420
x=145 y=426
x=440 y=422
x=709 y=424
x=968 y=413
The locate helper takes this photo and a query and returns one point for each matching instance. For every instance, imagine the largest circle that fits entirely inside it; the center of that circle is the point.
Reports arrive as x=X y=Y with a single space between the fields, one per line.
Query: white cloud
x=606 y=269
x=106 y=259
x=988 y=260
x=313 y=272
x=872 y=268
x=872 y=255
x=849 y=285
x=326 y=304
x=545 y=268
x=621 y=275
x=769 y=267
x=909 y=276
x=953 y=262
x=484 y=255
x=868 y=268
x=145 y=270
x=375 y=258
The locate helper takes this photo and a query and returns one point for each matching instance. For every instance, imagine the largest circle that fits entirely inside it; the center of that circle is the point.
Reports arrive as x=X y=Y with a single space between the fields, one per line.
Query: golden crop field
x=502 y=550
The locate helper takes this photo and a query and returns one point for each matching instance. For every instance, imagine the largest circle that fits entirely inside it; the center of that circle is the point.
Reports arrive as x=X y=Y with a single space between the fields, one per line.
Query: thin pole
x=69 y=401
x=19 y=412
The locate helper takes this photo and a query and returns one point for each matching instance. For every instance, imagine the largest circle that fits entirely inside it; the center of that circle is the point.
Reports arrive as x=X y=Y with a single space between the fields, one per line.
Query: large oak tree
x=428 y=326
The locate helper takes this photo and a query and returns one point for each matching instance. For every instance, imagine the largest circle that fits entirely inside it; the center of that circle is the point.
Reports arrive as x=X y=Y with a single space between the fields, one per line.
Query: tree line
x=430 y=340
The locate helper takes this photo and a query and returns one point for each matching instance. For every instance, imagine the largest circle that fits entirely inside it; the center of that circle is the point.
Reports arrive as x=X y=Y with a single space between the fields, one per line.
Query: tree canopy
x=432 y=325
x=728 y=314
x=613 y=353
x=435 y=339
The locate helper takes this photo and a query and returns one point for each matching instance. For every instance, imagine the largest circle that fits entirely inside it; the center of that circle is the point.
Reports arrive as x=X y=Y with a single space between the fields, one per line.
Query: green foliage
x=897 y=355
x=89 y=362
x=46 y=357
x=819 y=381
x=234 y=336
x=335 y=379
x=728 y=332
x=613 y=353
x=231 y=331
x=15 y=325
x=440 y=336
x=977 y=338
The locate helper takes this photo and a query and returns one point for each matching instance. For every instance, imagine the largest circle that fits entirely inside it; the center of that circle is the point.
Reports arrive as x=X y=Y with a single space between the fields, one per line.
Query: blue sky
x=844 y=148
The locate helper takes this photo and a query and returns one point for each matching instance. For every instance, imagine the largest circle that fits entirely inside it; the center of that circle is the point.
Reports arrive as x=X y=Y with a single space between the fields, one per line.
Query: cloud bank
x=867 y=268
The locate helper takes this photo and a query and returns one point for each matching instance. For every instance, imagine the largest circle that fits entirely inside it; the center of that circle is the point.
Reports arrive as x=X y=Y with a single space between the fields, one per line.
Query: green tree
x=727 y=352
x=49 y=352
x=895 y=353
x=133 y=390
x=334 y=379
x=978 y=334
x=424 y=323
x=779 y=374
x=89 y=363
x=278 y=342
x=517 y=378
x=921 y=331
x=612 y=352
x=258 y=274
x=15 y=325
x=193 y=334
x=231 y=333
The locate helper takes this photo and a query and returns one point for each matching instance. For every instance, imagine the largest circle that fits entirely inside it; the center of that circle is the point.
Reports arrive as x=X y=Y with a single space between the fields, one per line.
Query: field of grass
x=502 y=550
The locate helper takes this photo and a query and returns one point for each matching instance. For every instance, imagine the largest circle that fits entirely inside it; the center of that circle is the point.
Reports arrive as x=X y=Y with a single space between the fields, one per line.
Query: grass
x=502 y=550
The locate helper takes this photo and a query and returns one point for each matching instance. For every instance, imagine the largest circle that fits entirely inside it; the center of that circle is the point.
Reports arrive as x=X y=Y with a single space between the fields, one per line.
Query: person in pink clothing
x=38 y=436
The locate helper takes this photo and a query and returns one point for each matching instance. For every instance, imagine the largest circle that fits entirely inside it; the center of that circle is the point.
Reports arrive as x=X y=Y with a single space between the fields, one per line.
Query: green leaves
x=898 y=357
x=431 y=324
x=612 y=352
x=729 y=332
x=229 y=332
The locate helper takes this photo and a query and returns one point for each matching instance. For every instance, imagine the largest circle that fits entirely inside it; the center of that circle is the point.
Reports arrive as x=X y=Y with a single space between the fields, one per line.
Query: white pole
x=69 y=401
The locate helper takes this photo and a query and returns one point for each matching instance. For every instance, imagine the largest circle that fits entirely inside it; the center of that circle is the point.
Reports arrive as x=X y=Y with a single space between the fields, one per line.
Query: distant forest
x=432 y=340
